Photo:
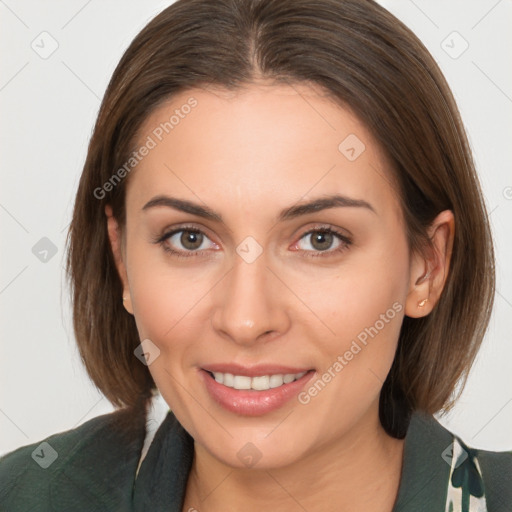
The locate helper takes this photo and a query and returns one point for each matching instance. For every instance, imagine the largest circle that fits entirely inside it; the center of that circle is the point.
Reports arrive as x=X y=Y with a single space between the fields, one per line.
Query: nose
x=249 y=304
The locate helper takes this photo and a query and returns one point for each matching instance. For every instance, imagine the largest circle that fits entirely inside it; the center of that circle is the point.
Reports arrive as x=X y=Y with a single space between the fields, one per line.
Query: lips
x=261 y=389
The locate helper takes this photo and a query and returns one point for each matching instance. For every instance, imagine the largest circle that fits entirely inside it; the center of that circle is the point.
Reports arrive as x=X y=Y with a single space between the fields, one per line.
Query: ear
x=428 y=272
x=114 y=235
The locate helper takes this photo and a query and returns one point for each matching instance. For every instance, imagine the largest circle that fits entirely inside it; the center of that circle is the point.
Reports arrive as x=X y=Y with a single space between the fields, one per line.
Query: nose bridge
x=248 y=303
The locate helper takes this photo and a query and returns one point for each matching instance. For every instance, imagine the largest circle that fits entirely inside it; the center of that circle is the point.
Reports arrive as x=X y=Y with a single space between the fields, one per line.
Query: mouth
x=254 y=395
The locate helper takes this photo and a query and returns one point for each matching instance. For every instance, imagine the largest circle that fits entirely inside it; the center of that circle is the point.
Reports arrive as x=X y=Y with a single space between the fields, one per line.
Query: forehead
x=260 y=145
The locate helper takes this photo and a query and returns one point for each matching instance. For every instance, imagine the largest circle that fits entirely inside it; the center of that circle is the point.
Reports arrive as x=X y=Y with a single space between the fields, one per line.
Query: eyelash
x=346 y=242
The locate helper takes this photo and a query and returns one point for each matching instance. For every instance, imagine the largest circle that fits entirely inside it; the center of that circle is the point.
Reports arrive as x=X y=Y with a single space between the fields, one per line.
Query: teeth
x=289 y=377
x=275 y=381
x=260 y=383
x=228 y=380
x=241 y=382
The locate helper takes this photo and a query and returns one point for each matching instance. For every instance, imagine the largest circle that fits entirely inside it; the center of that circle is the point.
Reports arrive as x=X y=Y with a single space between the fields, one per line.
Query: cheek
x=365 y=308
x=168 y=311
x=170 y=305
x=371 y=283
x=162 y=293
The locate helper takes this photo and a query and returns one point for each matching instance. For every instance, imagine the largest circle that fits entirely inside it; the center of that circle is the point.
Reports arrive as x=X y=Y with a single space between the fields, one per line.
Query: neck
x=360 y=471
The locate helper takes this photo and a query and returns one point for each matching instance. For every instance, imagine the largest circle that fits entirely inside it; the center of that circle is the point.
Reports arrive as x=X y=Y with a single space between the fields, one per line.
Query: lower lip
x=251 y=402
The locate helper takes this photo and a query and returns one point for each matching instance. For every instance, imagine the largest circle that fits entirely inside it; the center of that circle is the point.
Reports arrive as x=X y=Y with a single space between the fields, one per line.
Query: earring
x=422 y=303
x=124 y=298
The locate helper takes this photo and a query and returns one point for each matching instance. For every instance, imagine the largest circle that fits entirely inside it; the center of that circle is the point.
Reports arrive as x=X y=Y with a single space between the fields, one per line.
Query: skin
x=247 y=155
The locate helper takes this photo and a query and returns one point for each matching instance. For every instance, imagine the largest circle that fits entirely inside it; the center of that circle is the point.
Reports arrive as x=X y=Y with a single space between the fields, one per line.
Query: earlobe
x=418 y=302
x=428 y=272
x=114 y=236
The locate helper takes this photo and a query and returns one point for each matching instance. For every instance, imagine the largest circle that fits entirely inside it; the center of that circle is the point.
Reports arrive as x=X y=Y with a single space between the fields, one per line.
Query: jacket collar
x=426 y=465
x=163 y=475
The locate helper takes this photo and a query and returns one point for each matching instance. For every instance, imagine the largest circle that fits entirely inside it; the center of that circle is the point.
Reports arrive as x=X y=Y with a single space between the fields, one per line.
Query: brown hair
x=365 y=59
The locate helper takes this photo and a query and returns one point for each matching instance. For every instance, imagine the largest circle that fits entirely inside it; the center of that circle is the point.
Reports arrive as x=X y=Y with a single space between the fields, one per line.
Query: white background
x=47 y=110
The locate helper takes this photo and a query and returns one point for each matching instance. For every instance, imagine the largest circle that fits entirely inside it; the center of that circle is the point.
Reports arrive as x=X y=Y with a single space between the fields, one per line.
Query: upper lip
x=253 y=371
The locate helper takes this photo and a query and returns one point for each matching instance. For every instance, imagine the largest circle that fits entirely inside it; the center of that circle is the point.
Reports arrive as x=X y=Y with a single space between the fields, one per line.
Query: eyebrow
x=316 y=205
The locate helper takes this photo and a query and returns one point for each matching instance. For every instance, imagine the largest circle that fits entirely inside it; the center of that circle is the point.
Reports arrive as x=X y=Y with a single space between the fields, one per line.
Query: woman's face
x=256 y=288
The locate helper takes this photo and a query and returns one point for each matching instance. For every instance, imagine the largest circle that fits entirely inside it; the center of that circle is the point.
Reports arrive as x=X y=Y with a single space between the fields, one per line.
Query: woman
x=279 y=228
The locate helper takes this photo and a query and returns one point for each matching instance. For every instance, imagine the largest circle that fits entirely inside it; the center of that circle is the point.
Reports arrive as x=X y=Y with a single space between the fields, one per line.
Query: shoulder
x=466 y=475
x=90 y=465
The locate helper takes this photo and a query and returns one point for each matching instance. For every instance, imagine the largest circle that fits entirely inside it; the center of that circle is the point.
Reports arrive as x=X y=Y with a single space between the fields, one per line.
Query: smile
x=264 y=391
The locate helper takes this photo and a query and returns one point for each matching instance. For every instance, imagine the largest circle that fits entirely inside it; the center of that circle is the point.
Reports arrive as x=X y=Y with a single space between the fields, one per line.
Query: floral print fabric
x=466 y=491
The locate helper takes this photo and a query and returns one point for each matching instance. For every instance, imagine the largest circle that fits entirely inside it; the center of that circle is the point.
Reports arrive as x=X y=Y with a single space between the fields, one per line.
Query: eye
x=191 y=239
x=322 y=239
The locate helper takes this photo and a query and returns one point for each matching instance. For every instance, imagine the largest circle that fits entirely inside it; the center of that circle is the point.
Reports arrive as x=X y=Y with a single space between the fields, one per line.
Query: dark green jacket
x=92 y=468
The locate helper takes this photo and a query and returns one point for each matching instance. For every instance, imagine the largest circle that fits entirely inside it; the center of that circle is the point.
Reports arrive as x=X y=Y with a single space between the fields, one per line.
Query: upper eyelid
x=167 y=233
